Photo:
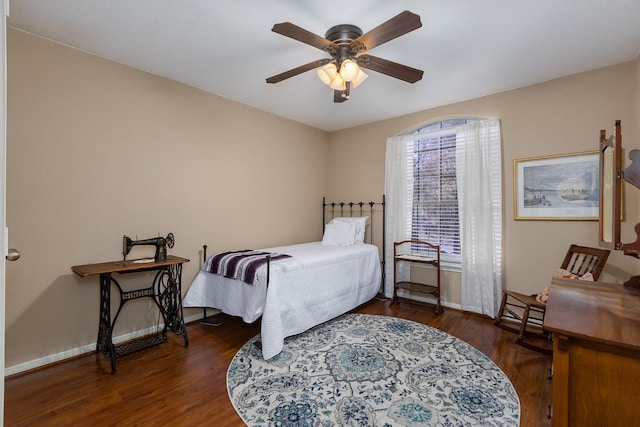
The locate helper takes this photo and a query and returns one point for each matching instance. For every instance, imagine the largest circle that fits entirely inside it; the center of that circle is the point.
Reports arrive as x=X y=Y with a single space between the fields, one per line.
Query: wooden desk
x=596 y=353
x=165 y=291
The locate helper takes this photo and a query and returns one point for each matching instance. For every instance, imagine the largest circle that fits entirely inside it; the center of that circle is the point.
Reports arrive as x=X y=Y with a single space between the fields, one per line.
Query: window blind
x=434 y=215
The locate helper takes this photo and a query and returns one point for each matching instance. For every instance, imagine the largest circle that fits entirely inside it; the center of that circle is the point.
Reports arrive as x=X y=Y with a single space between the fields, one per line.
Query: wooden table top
x=125 y=266
x=603 y=312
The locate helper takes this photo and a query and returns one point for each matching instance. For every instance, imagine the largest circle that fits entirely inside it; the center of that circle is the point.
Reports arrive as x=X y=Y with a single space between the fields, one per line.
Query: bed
x=312 y=283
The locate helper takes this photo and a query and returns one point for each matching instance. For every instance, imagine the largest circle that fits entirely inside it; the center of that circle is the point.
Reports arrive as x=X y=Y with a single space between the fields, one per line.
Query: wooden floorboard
x=177 y=386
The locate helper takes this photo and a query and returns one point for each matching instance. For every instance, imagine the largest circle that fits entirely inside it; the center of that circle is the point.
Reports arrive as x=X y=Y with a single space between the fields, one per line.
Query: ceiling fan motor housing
x=343 y=35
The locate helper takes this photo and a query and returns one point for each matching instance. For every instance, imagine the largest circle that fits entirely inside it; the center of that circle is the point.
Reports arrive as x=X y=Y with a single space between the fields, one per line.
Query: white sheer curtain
x=479 y=180
x=398 y=189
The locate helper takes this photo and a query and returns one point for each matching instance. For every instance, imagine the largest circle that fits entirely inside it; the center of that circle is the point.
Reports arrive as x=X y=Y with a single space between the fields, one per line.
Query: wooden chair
x=526 y=310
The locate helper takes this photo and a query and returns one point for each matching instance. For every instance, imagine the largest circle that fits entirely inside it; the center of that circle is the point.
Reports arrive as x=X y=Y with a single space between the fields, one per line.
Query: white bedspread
x=317 y=284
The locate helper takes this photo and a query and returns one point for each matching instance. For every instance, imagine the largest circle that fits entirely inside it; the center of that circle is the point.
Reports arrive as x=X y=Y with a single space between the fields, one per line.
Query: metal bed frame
x=353 y=209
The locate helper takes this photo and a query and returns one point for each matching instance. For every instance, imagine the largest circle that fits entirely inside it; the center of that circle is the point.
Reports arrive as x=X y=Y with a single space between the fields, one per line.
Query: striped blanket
x=241 y=265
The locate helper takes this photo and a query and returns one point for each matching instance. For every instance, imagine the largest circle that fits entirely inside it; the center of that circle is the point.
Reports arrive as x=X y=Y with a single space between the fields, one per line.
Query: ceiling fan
x=346 y=44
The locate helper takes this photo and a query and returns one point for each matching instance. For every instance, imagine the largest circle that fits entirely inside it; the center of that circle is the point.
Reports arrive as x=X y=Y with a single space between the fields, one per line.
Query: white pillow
x=360 y=223
x=339 y=234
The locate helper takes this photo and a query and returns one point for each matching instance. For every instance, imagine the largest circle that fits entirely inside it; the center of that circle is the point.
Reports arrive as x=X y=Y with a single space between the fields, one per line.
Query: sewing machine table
x=165 y=291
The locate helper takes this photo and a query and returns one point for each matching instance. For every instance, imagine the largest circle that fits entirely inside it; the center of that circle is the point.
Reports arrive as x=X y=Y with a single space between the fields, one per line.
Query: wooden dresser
x=596 y=353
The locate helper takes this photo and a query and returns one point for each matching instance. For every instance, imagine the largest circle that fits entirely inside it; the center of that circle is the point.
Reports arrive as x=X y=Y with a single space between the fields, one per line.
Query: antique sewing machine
x=161 y=244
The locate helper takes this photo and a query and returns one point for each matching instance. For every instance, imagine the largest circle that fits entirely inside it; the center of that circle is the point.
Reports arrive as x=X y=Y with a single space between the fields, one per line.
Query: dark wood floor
x=177 y=386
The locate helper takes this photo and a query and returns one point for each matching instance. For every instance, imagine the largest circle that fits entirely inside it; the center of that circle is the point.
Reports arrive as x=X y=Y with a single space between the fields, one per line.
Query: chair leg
x=523 y=326
x=501 y=311
x=506 y=313
x=523 y=334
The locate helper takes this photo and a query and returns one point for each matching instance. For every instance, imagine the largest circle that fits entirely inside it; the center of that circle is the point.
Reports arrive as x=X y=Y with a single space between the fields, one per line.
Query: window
x=444 y=185
x=434 y=215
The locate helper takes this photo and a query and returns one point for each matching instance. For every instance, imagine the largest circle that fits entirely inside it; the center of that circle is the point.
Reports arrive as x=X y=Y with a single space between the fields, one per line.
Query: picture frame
x=558 y=187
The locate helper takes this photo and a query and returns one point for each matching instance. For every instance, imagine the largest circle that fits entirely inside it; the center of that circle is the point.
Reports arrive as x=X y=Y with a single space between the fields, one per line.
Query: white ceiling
x=467 y=48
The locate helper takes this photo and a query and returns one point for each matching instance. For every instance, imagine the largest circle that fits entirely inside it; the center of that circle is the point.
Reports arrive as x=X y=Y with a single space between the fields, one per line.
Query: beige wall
x=97 y=150
x=555 y=117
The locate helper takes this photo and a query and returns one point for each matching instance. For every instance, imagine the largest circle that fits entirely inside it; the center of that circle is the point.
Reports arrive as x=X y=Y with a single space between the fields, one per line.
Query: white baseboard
x=89 y=348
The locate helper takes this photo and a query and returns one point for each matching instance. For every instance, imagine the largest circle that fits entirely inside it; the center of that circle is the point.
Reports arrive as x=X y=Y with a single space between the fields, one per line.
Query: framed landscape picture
x=561 y=187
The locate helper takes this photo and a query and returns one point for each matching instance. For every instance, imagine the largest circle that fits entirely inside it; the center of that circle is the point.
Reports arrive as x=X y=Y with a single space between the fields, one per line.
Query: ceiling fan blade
x=298 y=70
x=390 y=68
x=297 y=33
x=399 y=25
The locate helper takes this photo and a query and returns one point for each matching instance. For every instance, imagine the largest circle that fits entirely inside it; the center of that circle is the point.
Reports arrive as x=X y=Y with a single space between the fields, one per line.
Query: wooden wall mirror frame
x=610 y=189
x=632 y=176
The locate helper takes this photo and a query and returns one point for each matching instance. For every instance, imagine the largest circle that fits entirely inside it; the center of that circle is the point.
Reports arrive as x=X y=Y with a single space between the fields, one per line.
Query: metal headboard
x=358 y=209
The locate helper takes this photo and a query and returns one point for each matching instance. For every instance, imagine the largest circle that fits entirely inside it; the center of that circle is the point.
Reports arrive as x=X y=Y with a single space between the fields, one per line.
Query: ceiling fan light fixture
x=362 y=76
x=349 y=70
x=337 y=83
x=347 y=45
x=327 y=73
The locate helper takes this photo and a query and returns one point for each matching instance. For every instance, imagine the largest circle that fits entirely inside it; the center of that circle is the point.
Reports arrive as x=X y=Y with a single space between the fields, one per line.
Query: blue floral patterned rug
x=367 y=370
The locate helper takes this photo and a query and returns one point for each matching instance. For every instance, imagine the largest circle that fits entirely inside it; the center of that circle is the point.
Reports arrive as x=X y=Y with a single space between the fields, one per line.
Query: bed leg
x=204 y=309
x=206 y=322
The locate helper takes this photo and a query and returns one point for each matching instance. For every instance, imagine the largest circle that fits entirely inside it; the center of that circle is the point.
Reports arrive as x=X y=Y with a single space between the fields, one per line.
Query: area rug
x=368 y=370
